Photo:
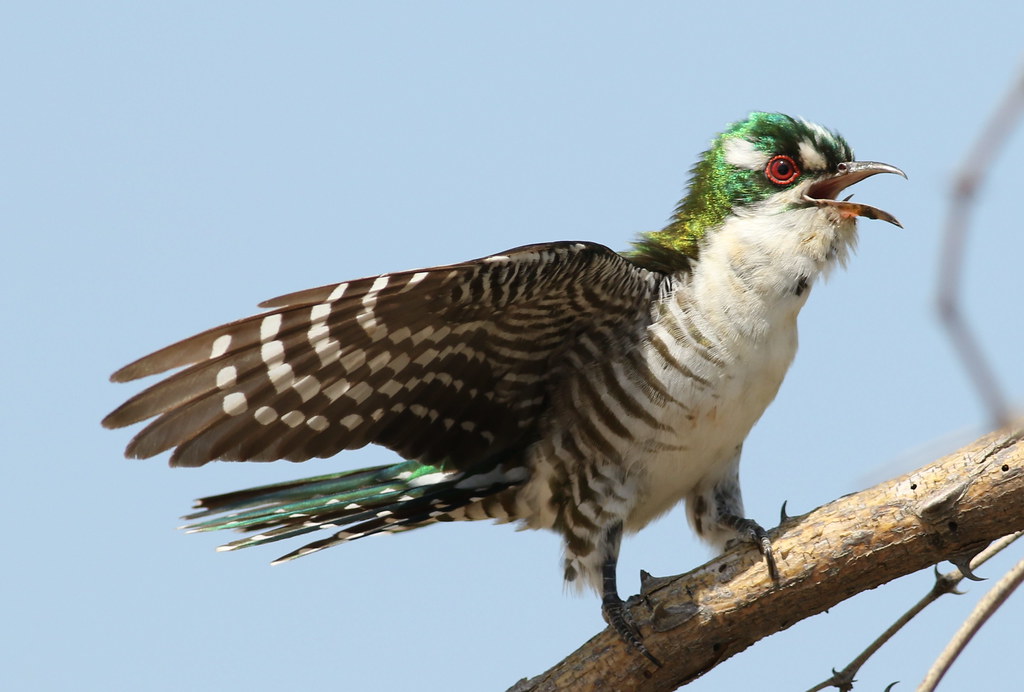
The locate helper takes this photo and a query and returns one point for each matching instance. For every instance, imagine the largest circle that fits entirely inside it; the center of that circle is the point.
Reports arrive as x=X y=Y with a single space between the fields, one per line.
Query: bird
x=561 y=386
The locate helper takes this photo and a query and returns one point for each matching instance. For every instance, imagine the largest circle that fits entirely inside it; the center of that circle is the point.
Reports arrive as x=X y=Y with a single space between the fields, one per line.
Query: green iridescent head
x=754 y=160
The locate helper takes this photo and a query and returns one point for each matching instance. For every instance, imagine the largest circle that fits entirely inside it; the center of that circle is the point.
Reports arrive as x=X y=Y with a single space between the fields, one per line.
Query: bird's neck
x=754 y=273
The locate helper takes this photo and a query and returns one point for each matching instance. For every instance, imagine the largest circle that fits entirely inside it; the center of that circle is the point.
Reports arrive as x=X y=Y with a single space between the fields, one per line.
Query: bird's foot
x=750 y=530
x=621 y=620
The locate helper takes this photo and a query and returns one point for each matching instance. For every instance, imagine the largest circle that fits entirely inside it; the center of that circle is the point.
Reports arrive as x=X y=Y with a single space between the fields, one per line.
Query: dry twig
x=944 y=583
x=979 y=160
x=988 y=605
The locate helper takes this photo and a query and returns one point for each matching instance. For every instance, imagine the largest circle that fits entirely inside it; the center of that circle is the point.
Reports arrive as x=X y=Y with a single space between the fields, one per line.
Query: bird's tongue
x=851 y=209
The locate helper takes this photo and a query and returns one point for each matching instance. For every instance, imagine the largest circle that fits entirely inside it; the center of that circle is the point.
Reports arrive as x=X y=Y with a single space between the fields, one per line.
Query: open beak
x=823 y=193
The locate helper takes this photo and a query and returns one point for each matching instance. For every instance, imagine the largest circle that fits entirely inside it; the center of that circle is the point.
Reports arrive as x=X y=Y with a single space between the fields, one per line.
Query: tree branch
x=949 y=509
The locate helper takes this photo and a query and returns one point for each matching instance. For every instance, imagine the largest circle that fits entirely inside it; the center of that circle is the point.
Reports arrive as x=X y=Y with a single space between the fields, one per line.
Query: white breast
x=740 y=308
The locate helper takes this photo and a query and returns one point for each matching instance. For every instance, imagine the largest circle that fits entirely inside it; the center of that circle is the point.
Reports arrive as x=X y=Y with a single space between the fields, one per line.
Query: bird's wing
x=448 y=365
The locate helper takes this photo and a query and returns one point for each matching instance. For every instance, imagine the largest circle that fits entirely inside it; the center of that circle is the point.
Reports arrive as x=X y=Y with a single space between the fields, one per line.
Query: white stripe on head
x=811 y=157
x=821 y=134
x=742 y=153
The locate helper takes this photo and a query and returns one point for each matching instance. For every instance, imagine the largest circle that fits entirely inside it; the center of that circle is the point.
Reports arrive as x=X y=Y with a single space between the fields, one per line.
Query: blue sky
x=166 y=166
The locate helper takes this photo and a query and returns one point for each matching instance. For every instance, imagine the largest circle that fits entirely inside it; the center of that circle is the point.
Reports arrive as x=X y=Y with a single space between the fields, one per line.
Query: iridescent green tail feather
x=364 y=502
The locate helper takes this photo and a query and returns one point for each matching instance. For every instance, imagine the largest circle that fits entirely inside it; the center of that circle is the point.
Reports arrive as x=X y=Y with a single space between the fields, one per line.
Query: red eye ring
x=781 y=170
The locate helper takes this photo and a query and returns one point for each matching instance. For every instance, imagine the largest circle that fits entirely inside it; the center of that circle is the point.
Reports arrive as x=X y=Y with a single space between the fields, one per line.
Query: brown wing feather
x=447 y=364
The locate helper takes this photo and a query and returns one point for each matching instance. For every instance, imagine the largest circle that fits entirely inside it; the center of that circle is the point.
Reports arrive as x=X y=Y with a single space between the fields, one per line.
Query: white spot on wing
x=351 y=421
x=317 y=332
x=400 y=334
x=281 y=376
x=320 y=312
x=265 y=415
x=220 y=346
x=426 y=357
x=379 y=361
x=272 y=353
x=390 y=388
x=414 y=279
x=338 y=292
x=336 y=389
x=422 y=411
x=359 y=392
x=307 y=387
x=269 y=327
x=235 y=403
x=399 y=362
x=353 y=359
x=318 y=423
x=293 y=418
x=425 y=333
x=227 y=377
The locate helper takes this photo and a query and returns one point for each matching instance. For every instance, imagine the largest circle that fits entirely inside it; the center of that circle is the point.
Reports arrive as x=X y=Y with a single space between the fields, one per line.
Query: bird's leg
x=612 y=607
x=716 y=513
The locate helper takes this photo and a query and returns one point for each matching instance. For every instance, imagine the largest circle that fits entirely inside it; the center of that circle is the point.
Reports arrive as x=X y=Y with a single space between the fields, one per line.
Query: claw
x=756 y=534
x=783 y=517
x=765 y=546
x=621 y=620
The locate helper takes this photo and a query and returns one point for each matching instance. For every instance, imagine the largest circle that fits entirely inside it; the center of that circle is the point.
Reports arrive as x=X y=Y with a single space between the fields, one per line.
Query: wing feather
x=446 y=365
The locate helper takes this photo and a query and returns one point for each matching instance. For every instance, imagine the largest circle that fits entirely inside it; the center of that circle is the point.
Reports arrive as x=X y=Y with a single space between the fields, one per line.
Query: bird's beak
x=823 y=193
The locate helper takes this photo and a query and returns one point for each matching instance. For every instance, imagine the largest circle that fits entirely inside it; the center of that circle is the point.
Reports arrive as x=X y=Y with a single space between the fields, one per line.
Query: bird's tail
x=364 y=502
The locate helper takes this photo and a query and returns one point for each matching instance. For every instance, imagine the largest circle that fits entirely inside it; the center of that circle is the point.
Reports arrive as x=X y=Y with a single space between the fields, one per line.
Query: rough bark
x=948 y=509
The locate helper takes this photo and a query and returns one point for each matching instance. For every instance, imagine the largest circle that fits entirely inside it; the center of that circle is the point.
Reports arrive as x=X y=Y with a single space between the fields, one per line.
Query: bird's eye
x=782 y=170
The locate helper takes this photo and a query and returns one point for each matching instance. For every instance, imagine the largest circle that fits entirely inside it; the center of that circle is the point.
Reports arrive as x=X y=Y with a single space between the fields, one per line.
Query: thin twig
x=989 y=603
x=944 y=583
x=978 y=162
